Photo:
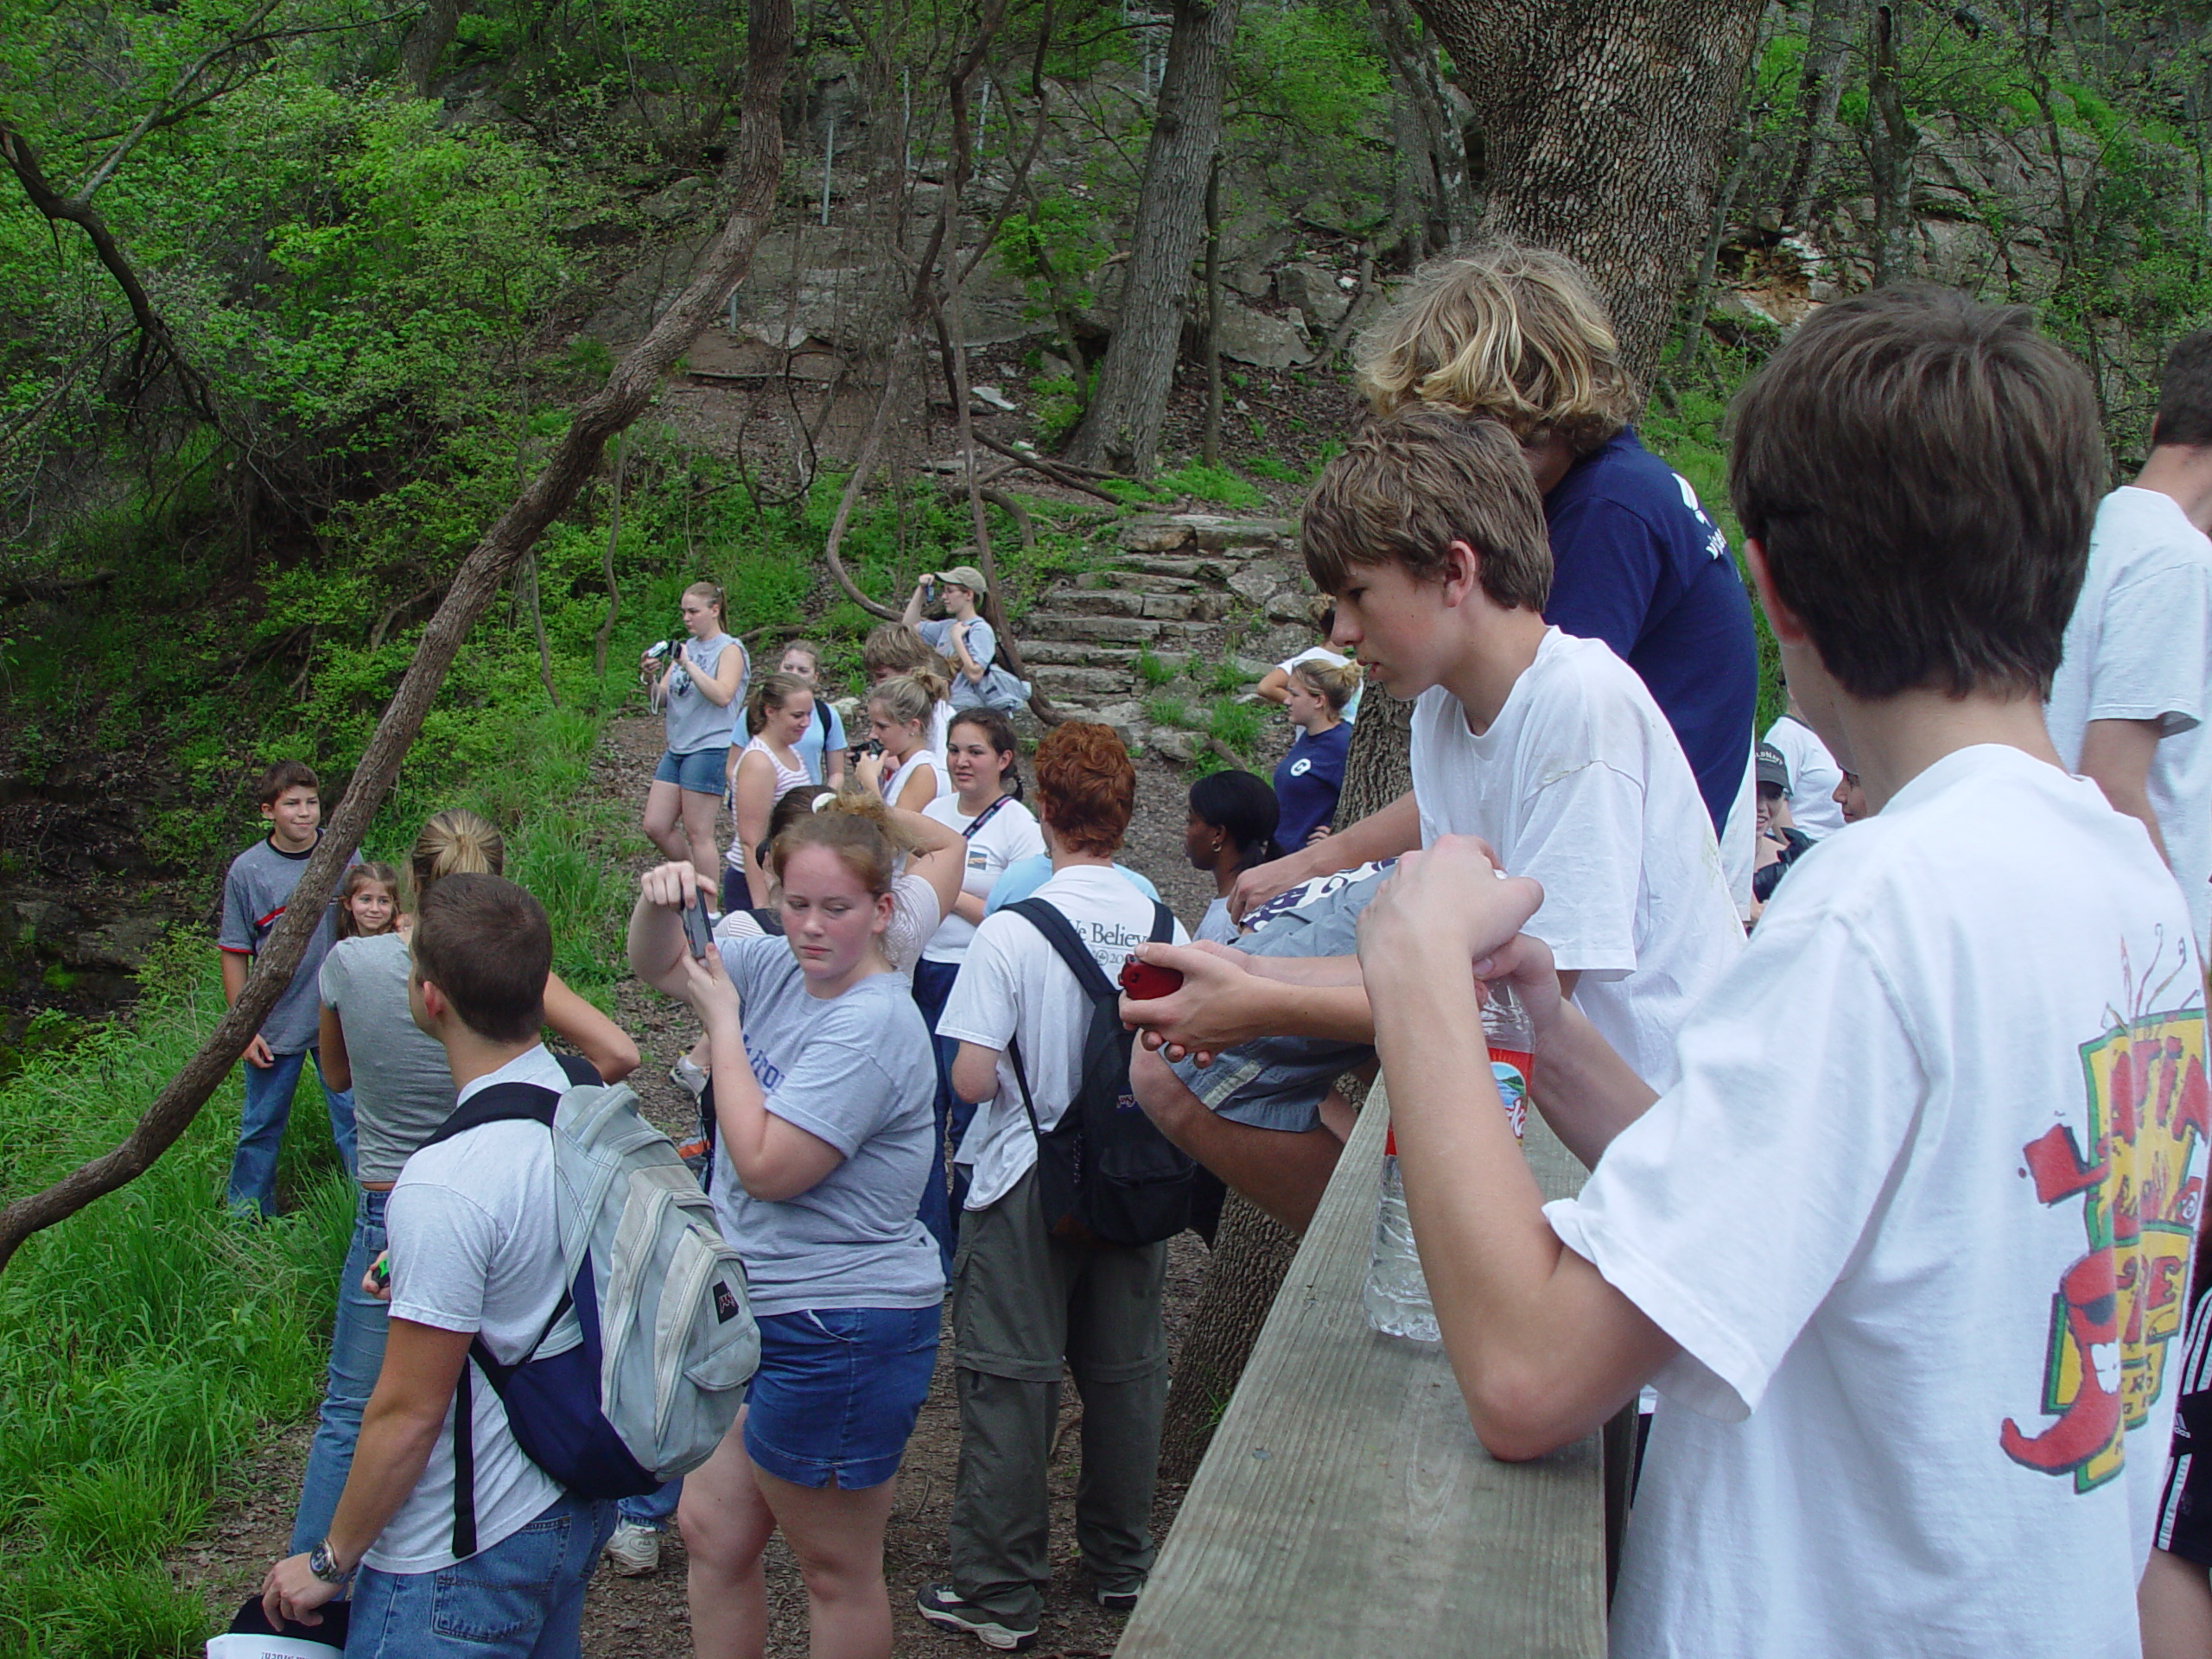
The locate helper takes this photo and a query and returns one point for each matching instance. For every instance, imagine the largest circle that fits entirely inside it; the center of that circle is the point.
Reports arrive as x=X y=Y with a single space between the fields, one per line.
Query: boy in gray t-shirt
x=256 y=894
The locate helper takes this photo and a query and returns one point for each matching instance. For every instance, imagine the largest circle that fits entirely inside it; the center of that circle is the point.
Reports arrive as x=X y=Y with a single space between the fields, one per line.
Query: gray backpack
x=640 y=1369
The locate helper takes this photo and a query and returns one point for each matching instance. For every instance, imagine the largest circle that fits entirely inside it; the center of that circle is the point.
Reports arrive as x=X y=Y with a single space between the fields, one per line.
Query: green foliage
x=1237 y=725
x=1152 y=670
x=1201 y=482
x=1167 y=711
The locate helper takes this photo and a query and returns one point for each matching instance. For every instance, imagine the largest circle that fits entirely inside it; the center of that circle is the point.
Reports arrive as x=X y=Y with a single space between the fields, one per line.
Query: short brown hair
x=282 y=775
x=1414 y=481
x=852 y=823
x=1086 y=787
x=769 y=693
x=486 y=944
x=1517 y=333
x=1922 y=472
x=2185 y=394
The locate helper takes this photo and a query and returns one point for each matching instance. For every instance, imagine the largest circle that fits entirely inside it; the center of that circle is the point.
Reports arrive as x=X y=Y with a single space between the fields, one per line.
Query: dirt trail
x=646 y=1618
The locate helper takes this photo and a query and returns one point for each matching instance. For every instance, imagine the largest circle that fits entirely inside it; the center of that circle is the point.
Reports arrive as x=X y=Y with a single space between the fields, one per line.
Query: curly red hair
x=1086 y=786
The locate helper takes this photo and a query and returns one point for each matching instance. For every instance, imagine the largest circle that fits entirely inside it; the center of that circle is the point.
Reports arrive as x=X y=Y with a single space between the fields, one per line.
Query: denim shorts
x=1278 y=1082
x=837 y=1392
x=704 y=771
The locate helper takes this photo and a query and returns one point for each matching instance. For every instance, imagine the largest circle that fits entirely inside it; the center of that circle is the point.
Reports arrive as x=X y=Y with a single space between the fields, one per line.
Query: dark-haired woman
x=985 y=809
x=1230 y=828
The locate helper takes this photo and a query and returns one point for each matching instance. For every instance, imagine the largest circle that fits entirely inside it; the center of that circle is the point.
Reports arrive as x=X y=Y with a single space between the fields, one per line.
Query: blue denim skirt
x=702 y=772
x=837 y=1393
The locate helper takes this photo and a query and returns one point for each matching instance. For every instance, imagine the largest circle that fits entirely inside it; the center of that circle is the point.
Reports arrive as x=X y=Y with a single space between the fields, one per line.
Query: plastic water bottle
x=1396 y=1295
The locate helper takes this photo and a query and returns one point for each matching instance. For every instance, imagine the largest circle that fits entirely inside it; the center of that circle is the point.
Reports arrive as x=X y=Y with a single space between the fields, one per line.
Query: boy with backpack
x=455 y=1529
x=1905 y=1246
x=1027 y=1297
x=256 y=891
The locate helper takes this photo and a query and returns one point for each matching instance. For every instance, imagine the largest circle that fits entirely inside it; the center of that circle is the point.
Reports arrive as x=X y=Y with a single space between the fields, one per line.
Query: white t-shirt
x=894 y=777
x=1739 y=851
x=1890 y=1428
x=2139 y=646
x=1579 y=782
x=1014 y=987
x=1814 y=775
x=475 y=1247
x=940 y=734
x=1008 y=834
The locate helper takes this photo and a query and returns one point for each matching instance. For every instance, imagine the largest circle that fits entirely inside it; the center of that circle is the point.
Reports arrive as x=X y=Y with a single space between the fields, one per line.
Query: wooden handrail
x=1345 y=1508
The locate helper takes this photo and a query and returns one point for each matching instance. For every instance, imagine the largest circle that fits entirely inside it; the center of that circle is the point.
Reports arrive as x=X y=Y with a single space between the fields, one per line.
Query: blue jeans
x=261 y=1129
x=522 y=1599
x=356 y=1356
x=655 y=1509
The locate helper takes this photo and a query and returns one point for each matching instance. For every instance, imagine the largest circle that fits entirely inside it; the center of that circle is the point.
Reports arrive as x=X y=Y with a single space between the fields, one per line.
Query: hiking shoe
x=940 y=1604
x=634 y=1550
x=1117 y=1601
x=687 y=1076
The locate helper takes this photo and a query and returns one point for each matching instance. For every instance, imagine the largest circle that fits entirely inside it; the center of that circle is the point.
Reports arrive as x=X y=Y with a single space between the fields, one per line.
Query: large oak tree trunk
x=1603 y=128
x=428 y=37
x=755 y=168
x=1122 y=427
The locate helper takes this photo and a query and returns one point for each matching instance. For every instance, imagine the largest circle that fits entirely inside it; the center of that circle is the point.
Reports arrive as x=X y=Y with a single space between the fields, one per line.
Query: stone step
x=1113 y=601
x=1143 y=582
x=1056 y=682
x=1213 y=533
x=1111 y=630
x=1199 y=570
x=1061 y=654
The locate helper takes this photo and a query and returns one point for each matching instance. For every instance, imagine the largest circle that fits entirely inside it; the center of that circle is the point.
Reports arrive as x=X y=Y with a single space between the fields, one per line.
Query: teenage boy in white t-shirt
x=2129 y=702
x=474 y=1251
x=1430 y=533
x=1026 y=1303
x=1905 y=1248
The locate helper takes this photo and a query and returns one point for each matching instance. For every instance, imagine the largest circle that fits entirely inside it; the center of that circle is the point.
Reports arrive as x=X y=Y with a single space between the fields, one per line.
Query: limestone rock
x=1255 y=582
x=1173 y=745
x=1266 y=342
x=120 y=945
x=1312 y=291
x=1153 y=533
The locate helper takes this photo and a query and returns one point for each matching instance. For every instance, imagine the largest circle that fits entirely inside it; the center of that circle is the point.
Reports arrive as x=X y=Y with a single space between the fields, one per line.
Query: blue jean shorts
x=838 y=1391
x=702 y=772
x=1278 y=1082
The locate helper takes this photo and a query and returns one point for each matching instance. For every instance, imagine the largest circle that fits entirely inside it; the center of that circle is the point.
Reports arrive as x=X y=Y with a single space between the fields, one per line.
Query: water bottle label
x=1510 y=1068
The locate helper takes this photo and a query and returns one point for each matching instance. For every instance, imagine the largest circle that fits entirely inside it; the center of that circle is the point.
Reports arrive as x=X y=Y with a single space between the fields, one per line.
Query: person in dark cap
x=1780 y=840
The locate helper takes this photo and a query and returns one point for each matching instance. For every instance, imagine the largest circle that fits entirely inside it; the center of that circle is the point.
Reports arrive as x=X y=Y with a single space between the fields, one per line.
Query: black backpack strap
x=502 y=1103
x=1043 y=915
x=464 y=1468
x=580 y=1071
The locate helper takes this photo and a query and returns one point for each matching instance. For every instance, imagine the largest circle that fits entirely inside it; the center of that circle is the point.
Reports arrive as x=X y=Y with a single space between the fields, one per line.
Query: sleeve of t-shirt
x=934 y=634
x=837 y=1089
x=836 y=739
x=442 y=1244
x=986 y=999
x=1729 y=1212
x=331 y=982
x=982 y=642
x=746 y=960
x=2150 y=663
x=1016 y=882
x=914 y=917
x=235 y=933
x=1606 y=567
x=1582 y=834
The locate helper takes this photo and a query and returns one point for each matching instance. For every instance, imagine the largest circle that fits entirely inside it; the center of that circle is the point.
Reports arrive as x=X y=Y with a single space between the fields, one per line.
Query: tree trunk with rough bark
x=755 y=166
x=428 y=37
x=1252 y=1251
x=1432 y=163
x=1891 y=141
x=1819 y=89
x=1603 y=128
x=1122 y=427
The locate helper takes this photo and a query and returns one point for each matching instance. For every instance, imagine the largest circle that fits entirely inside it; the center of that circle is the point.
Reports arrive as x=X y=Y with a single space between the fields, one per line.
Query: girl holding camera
x=701 y=683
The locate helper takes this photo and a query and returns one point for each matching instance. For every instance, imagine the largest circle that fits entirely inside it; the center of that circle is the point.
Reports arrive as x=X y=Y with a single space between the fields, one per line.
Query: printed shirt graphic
x=2119 y=1307
x=1917 y=1214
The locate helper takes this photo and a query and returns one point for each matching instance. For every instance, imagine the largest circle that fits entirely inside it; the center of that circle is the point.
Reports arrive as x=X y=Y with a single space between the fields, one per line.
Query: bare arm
x=236 y=966
x=916 y=790
x=399 y=1427
x=330 y=1047
x=1393 y=830
x=719 y=687
x=975 y=1071
x=1274 y=685
x=597 y=1038
x=2116 y=755
x=753 y=799
x=1544 y=1350
x=913 y=614
x=971 y=670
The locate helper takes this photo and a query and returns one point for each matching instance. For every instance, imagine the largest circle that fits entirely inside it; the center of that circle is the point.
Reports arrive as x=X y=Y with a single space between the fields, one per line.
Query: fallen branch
x=51 y=587
x=755 y=166
x=1057 y=471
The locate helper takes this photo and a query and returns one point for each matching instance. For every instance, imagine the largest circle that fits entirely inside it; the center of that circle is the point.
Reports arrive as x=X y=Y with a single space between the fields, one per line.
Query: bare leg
x=1337 y=1116
x=726 y=1524
x=838 y=1538
x=699 y=814
x=2174 y=1604
x=662 y=810
x=1284 y=1172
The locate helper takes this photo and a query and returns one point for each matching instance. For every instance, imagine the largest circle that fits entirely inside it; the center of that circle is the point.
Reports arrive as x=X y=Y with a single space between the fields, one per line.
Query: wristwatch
x=324 y=1565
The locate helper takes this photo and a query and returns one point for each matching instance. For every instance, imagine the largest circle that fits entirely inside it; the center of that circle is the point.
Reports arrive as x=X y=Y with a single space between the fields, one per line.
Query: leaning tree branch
x=755 y=169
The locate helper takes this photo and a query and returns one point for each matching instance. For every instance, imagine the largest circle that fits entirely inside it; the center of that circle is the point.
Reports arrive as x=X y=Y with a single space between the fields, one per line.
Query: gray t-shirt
x=694 y=721
x=403 y=1088
x=256 y=894
x=854 y=1070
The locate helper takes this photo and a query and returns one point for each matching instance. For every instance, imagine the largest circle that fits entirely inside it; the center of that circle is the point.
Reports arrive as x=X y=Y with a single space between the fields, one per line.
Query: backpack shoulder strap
x=1163 y=923
x=580 y=1071
x=1043 y=915
x=500 y=1104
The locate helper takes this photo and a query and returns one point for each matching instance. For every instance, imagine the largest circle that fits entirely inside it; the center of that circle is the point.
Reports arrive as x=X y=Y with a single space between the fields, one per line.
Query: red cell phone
x=1143 y=981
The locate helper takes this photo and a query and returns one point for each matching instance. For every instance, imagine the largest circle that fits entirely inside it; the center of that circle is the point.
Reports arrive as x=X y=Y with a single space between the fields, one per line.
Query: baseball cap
x=1772 y=768
x=965 y=576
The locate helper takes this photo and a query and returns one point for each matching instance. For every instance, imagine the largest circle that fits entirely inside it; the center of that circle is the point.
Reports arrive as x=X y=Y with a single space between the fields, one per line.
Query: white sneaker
x=634 y=1550
x=687 y=1076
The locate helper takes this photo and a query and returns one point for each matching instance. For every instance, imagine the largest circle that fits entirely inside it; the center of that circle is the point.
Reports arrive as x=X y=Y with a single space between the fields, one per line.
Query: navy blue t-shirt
x=1637 y=563
x=1307 y=782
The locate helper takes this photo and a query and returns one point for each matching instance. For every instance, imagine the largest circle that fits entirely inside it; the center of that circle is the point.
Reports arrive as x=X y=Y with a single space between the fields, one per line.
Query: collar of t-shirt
x=534 y=1065
x=302 y=856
